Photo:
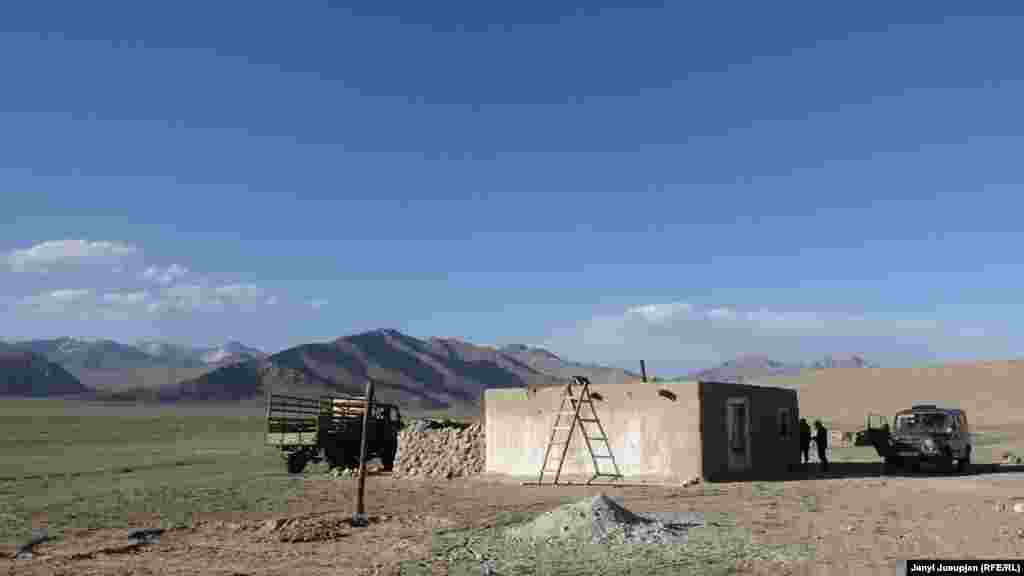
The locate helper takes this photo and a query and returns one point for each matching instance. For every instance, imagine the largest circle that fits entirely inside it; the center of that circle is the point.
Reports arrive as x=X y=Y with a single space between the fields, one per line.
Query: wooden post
x=360 y=518
x=643 y=370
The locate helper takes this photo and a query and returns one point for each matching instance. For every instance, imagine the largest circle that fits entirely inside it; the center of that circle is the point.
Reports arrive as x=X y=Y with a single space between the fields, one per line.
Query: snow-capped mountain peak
x=231 y=350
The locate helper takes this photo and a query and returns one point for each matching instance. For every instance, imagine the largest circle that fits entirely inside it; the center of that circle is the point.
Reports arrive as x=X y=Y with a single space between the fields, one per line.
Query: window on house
x=785 y=426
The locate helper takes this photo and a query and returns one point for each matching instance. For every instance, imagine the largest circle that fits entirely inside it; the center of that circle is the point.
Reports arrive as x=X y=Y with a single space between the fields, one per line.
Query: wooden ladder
x=571 y=407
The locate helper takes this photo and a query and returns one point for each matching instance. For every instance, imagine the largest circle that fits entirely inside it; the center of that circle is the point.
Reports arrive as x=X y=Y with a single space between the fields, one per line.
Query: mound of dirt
x=600 y=519
x=427 y=451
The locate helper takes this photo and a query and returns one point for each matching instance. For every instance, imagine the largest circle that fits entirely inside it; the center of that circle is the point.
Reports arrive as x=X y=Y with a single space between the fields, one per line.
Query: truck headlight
x=929 y=445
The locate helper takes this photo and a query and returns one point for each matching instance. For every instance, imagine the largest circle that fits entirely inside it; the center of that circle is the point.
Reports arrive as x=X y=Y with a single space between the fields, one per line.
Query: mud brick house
x=671 y=431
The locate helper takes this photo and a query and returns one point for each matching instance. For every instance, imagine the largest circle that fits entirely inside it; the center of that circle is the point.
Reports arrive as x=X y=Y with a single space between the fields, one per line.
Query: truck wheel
x=335 y=457
x=352 y=461
x=388 y=460
x=296 y=462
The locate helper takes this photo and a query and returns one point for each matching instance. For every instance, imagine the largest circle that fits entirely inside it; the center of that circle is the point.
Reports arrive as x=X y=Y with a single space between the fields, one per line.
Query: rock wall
x=442 y=451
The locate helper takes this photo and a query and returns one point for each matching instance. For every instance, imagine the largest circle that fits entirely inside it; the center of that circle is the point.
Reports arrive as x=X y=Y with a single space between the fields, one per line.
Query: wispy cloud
x=165 y=276
x=163 y=290
x=241 y=292
x=56 y=301
x=184 y=298
x=686 y=335
x=317 y=303
x=46 y=255
x=126 y=298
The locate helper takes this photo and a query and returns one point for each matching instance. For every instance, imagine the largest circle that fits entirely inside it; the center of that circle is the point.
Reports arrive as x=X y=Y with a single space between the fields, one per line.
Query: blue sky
x=681 y=183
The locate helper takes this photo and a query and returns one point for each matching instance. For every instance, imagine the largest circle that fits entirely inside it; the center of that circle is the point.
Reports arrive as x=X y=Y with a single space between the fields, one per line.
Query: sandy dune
x=991 y=392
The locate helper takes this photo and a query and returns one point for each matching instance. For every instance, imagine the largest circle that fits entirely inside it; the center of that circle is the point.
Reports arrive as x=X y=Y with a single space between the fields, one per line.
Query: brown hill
x=420 y=374
x=547 y=362
x=149 y=378
x=991 y=391
x=23 y=373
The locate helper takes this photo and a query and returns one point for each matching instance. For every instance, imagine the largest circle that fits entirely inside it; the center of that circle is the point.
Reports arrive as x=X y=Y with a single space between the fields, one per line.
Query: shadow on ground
x=861 y=470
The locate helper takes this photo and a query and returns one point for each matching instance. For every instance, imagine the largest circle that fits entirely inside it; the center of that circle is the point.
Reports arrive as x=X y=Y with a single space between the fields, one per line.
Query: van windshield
x=923 y=423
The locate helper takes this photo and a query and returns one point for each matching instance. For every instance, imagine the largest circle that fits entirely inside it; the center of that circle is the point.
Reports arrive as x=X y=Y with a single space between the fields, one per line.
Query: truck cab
x=925 y=434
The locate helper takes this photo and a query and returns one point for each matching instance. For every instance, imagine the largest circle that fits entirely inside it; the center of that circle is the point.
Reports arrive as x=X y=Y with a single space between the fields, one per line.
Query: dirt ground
x=858 y=525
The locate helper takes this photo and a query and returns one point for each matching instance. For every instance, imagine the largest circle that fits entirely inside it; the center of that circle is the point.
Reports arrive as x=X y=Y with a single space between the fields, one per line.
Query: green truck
x=330 y=428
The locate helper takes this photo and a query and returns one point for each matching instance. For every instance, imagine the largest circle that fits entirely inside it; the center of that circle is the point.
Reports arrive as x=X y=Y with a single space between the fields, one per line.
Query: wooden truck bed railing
x=298 y=421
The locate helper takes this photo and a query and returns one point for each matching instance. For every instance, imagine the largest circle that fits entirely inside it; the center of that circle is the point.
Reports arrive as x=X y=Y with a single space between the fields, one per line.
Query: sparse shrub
x=763 y=490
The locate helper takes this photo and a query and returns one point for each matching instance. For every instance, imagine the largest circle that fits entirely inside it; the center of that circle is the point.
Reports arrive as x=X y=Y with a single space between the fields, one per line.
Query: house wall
x=650 y=435
x=770 y=452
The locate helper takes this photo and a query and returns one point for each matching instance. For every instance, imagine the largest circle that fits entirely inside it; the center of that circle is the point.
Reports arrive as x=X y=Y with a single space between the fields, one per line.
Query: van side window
x=784 y=424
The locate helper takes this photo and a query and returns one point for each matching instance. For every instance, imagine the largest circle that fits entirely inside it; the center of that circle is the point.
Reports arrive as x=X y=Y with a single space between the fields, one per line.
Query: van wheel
x=890 y=465
x=963 y=464
x=948 y=462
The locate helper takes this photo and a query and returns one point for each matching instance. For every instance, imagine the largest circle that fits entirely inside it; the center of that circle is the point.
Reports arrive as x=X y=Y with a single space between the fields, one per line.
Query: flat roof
x=930 y=408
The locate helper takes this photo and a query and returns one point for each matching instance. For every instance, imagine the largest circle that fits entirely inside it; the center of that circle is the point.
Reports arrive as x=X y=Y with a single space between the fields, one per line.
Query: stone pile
x=602 y=520
x=440 y=450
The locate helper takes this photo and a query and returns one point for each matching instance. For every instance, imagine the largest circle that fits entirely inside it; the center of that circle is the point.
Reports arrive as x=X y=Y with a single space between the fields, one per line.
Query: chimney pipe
x=643 y=370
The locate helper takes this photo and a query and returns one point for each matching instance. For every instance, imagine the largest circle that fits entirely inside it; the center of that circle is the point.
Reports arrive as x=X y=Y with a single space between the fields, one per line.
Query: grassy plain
x=68 y=464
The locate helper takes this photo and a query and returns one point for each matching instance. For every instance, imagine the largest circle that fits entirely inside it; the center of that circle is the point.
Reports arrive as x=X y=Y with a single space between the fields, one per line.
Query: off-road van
x=924 y=434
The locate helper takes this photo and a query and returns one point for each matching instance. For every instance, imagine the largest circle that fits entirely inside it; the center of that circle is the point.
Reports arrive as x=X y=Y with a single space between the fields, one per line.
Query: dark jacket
x=821 y=438
x=805 y=434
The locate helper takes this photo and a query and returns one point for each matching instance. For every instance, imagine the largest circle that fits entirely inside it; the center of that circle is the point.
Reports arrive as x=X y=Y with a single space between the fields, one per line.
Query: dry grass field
x=991 y=392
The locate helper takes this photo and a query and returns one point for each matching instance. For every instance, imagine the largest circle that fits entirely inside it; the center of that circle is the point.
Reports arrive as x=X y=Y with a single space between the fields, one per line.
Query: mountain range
x=427 y=374
x=24 y=373
x=753 y=367
x=111 y=365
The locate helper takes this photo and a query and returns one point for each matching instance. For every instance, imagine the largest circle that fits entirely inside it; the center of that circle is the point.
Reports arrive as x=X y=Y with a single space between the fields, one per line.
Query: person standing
x=805 y=441
x=821 y=440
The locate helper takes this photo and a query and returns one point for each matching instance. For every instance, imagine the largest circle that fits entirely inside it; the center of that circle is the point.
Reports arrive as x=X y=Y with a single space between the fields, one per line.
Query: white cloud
x=126 y=298
x=722 y=313
x=165 y=276
x=188 y=298
x=659 y=313
x=318 y=303
x=240 y=292
x=56 y=301
x=45 y=255
x=684 y=335
x=194 y=297
x=69 y=295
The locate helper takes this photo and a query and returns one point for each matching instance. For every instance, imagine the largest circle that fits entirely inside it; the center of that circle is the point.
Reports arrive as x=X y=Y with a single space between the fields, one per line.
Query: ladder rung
x=560 y=442
x=589 y=420
x=601 y=438
x=562 y=428
x=606 y=456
